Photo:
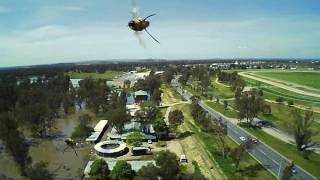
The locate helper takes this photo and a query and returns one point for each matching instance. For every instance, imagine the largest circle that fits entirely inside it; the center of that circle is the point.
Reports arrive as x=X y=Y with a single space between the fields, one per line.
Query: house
x=140 y=96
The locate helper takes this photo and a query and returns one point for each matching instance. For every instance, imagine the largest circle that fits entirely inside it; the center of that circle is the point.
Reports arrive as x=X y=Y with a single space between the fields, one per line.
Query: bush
x=290 y=103
x=279 y=99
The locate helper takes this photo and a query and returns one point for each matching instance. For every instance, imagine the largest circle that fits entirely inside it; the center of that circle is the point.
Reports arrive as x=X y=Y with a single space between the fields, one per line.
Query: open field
x=219 y=107
x=272 y=92
x=311 y=79
x=249 y=168
x=215 y=89
x=108 y=75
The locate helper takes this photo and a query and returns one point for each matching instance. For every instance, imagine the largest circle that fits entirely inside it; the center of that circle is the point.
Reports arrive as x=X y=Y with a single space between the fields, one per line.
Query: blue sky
x=54 y=31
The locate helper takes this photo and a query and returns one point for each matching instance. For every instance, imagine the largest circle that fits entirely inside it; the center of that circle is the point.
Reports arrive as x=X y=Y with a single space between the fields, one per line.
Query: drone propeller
x=152 y=36
x=135 y=9
x=140 y=39
x=149 y=16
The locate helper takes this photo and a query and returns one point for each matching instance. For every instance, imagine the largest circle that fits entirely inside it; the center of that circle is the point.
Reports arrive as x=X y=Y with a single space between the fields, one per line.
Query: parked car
x=183 y=158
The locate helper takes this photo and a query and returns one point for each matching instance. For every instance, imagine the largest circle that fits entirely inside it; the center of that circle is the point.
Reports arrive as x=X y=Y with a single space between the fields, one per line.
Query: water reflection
x=63 y=164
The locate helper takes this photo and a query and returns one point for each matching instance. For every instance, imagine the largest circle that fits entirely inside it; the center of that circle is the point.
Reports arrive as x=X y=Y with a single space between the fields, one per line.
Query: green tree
x=161 y=128
x=168 y=164
x=14 y=142
x=83 y=130
x=119 y=117
x=175 y=118
x=225 y=105
x=122 y=171
x=249 y=106
x=287 y=172
x=279 y=99
x=149 y=172
x=167 y=76
x=99 y=170
x=301 y=127
x=237 y=154
x=39 y=171
x=135 y=138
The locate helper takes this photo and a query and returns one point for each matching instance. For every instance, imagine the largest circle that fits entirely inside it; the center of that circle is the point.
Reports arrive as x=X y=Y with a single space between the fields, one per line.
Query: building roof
x=93 y=137
x=121 y=147
x=100 y=126
x=141 y=93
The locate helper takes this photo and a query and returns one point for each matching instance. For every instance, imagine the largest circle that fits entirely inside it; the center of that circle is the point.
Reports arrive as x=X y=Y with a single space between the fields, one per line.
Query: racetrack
x=280 y=85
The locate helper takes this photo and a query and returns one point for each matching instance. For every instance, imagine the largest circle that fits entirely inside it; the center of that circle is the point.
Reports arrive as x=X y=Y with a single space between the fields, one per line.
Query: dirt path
x=195 y=151
x=217 y=81
x=289 y=88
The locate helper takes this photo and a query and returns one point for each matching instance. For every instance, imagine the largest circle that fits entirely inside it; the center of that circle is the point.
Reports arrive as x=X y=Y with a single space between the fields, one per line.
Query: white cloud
x=189 y=39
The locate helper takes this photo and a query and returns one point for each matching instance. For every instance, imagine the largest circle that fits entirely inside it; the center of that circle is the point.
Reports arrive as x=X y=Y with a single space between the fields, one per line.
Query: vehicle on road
x=242 y=138
x=149 y=141
x=254 y=140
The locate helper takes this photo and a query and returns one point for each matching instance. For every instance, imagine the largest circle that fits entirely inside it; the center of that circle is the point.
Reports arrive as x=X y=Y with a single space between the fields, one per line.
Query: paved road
x=299 y=91
x=268 y=157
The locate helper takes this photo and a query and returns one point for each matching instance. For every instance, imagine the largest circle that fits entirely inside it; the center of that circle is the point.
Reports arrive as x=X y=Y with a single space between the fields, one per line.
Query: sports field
x=311 y=79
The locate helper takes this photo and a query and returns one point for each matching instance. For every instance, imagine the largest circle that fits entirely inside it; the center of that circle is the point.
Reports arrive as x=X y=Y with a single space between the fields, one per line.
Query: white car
x=149 y=141
x=242 y=138
x=183 y=158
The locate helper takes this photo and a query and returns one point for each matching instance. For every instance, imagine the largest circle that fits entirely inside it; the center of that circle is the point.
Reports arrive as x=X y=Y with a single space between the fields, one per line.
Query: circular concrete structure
x=111 y=148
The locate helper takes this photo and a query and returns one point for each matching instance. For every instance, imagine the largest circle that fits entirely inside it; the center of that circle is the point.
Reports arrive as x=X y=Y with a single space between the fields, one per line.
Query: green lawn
x=219 y=107
x=272 y=92
x=312 y=165
x=249 y=168
x=311 y=79
x=108 y=75
x=214 y=89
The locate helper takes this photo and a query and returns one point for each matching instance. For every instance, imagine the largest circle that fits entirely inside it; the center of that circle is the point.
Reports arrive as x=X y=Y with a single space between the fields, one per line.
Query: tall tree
x=249 y=105
x=149 y=172
x=99 y=170
x=175 y=119
x=168 y=164
x=301 y=127
x=119 y=117
x=39 y=171
x=122 y=171
x=238 y=153
x=287 y=172
x=14 y=141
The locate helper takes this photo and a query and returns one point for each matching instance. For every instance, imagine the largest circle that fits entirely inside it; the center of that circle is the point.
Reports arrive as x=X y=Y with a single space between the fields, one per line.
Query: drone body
x=138 y=24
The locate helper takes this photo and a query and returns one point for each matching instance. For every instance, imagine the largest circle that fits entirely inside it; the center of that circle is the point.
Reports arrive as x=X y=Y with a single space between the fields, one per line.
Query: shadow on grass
x=185 y=134
x=251 y=171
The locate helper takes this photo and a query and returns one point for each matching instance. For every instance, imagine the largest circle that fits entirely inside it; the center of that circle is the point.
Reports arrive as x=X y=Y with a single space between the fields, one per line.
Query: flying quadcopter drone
x=138 y=24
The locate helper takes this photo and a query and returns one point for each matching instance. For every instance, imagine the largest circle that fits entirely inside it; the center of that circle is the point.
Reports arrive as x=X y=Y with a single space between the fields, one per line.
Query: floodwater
x=63 y=165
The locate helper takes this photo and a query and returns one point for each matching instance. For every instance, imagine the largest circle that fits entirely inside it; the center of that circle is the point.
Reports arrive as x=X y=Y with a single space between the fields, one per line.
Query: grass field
x=272 y=92
x=311 y=79
x=108 y=75
x=249 y=168
x=219 y=107
x=215 y=89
